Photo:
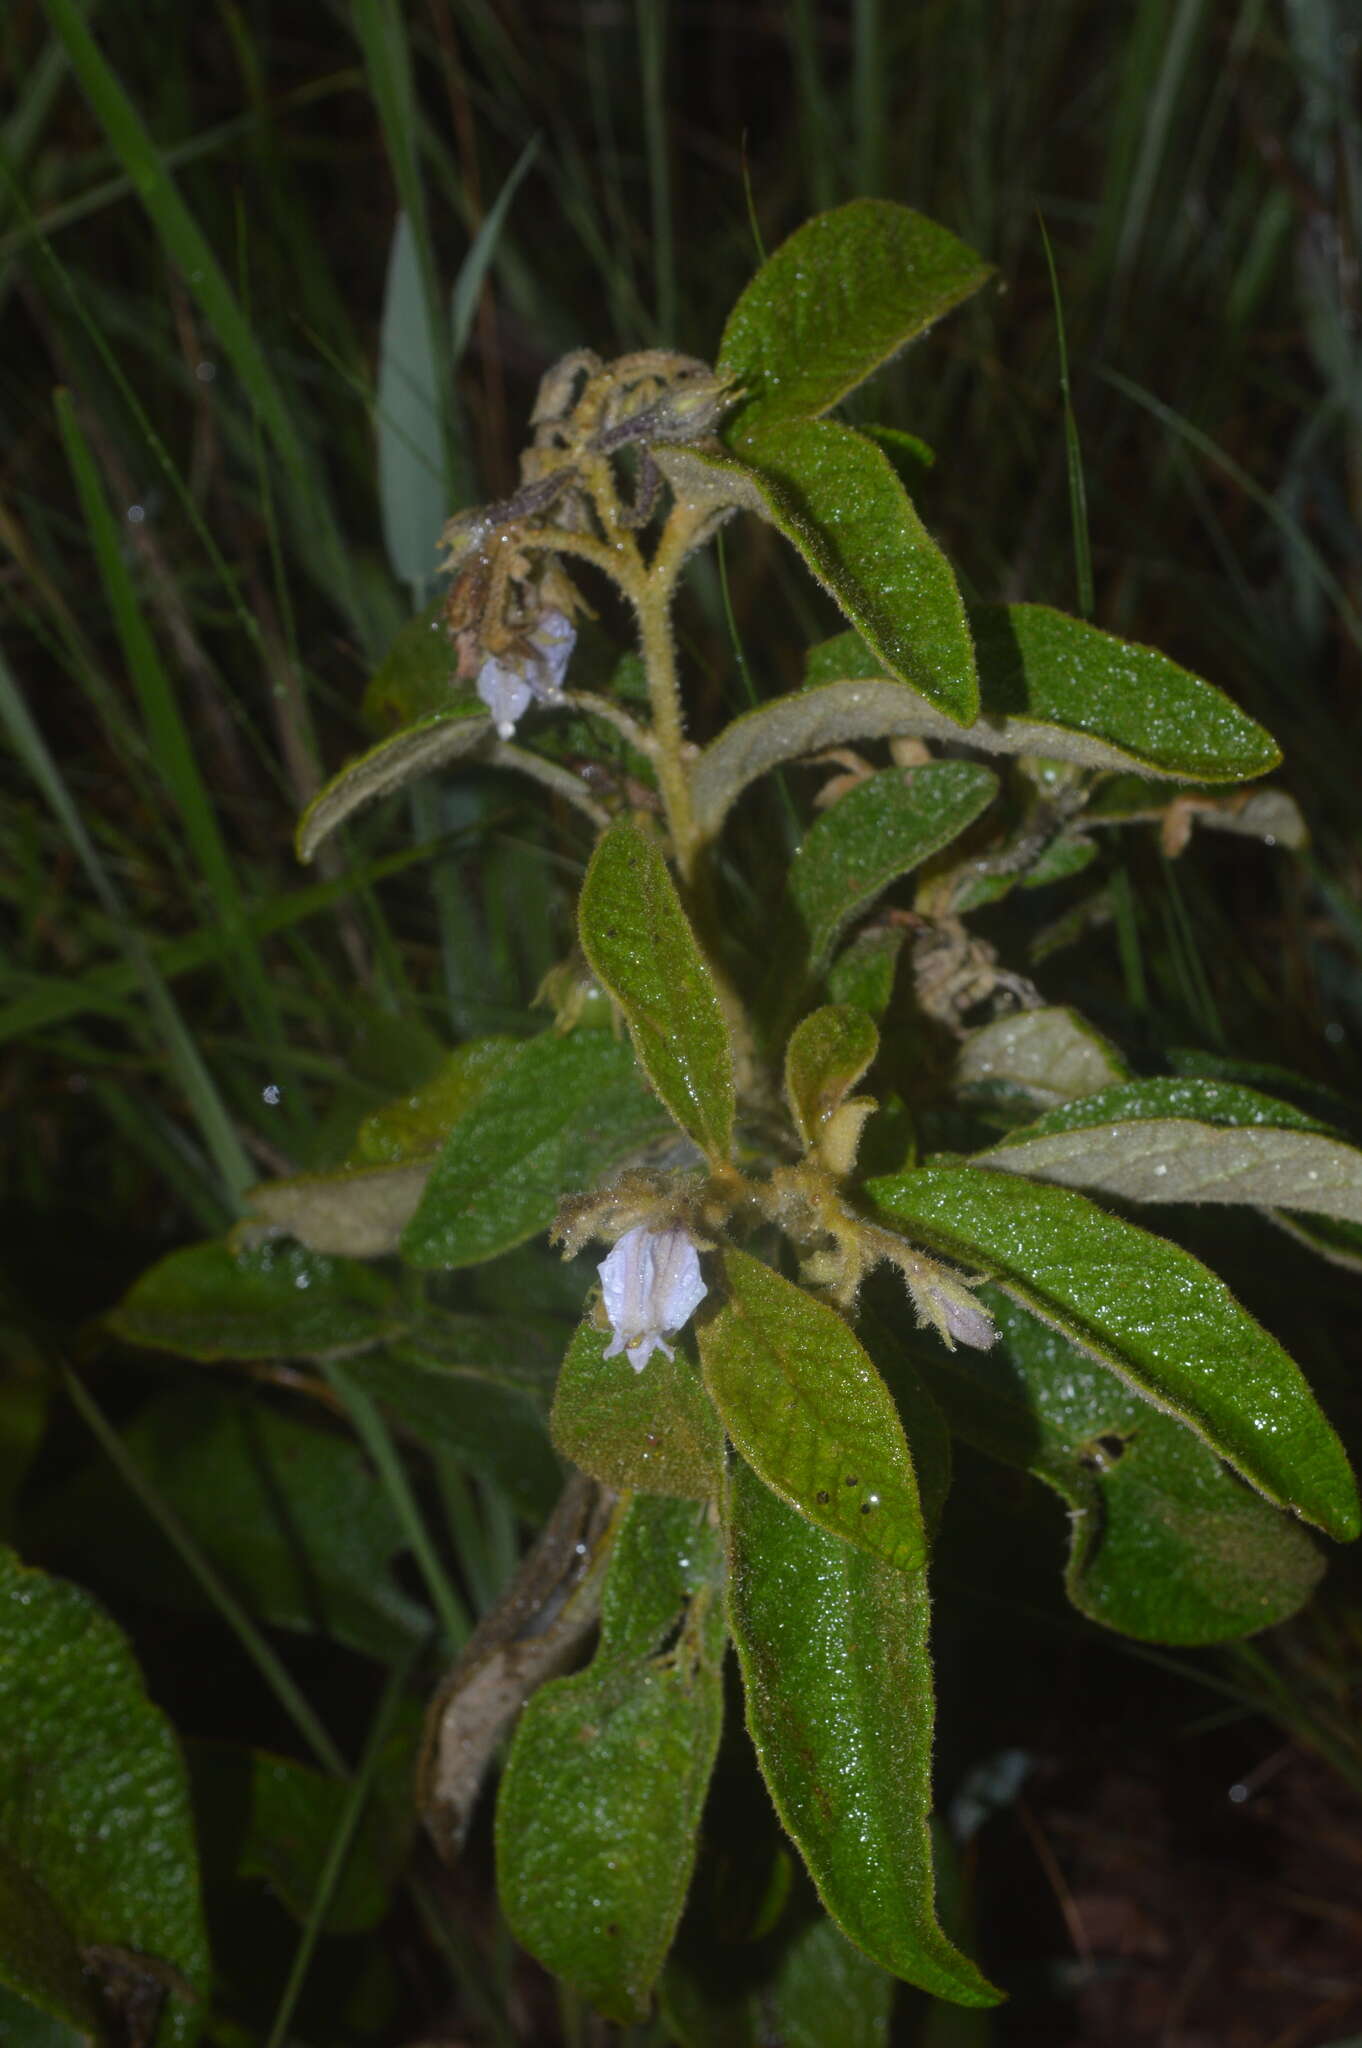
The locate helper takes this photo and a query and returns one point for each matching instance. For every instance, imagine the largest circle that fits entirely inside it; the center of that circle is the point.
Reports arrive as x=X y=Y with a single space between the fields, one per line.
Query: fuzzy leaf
x=1048 y=685
x=96 y=1839
x=415 y=678
x=1164 y=1542
x=1189 y=1141
x=415 y=751
x=653 y=1431
x=1043 y=1056
x=826 y=1056
x=288 y=1513
x=639 y=943
x=600 y=1802
x=807 y=1409
x=884 y=826
x=1147 y=1309
x=550 y=1122
x=838 y=299
x=353 y=1212
x=863 y=973
x=278 y=1301
x=833 y=1648
x=836 y=498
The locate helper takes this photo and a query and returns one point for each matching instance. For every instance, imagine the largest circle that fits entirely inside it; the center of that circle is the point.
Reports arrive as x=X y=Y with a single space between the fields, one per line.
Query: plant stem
x=652 y=602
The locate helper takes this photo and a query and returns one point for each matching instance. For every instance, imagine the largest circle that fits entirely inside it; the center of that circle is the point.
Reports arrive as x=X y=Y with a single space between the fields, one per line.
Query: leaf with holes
x=1165 y=1543
x=1149 y=1310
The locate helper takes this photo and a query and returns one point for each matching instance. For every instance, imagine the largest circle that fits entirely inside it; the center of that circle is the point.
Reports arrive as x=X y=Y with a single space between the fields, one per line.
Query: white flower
x=651 y=1283
x=508 y=687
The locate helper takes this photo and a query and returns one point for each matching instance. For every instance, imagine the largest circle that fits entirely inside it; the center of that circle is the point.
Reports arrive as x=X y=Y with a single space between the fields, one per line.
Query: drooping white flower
x=652 y=1287
x=509 y=684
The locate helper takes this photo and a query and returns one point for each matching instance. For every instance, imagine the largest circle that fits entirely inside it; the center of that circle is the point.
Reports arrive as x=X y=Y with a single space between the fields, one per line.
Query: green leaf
x=274 y=1820
x=833 y=1648
x=807 y=1409
x=417 y=1124
x=412 y=495
x=551 y=1121
x=98 y=1872
x=640 y=946
x=1042 y=1056
x=826 y=1056
x=836 y=498
x=1048 y=685
x=886 y=825
x=447 y=1400
x=653 y=1431
x=1164 y=1542
x=289 y=1514
x=600 y=1803
x=417 y=750
x=863 y=973
x=822 y=1989
x=1036 y=663
x=1150 y=1311
x=415 y=678
x=1189 y=1141
x=838 y=299
x=278 y=1301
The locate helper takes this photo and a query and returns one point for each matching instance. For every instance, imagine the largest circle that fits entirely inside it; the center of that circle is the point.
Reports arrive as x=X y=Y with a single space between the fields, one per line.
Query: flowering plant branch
x=757 y=1098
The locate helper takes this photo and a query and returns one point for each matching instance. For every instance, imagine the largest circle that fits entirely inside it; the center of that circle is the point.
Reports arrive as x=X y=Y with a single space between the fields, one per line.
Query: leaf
x=863 y=973
x=836 y=498
x=355 y=1212
x=96 y=1839
x=289 y=1514
x=1150 y=1311
x=639 y=944
x=826 y=1056
x=278 y=1301
x=411 y=483
x=838 y=299
x=1040 y=664
x=805 y=1406
x=1164 y=1542
x=1048 y=685
x=822 y=1989
x=1046 y=1056
x=417 y=1123
x=551 y=1121
x=449 y=1401
x=649 y=1432
x=415 y=678
x=887 y=824
x=832 y=1643
x=415 y=751
x=1189 y=1141
x=600 y=1803
x=272 y=1819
